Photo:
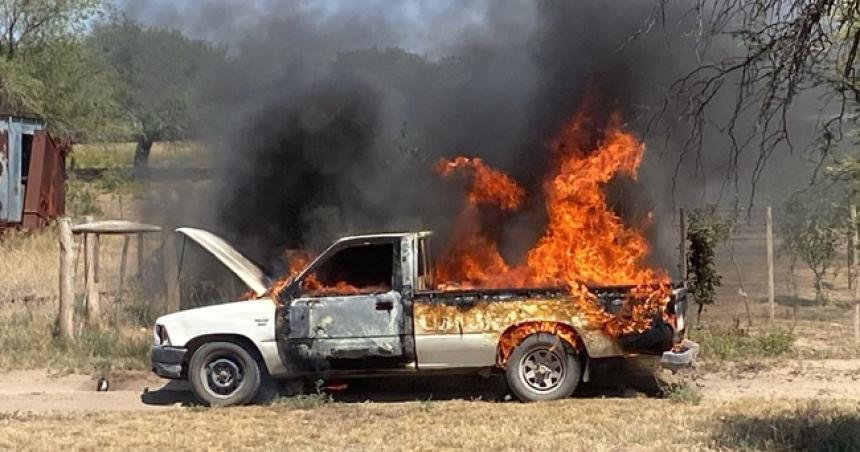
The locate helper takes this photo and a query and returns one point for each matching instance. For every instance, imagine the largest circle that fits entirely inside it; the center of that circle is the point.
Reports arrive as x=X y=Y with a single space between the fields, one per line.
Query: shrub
x=734 y=343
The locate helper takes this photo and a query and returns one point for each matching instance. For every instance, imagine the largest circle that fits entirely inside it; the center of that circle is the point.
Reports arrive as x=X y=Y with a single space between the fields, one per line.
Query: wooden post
x=682 y=247
x=139 y=255
x=770 y=288
x=854 y=264
x=91 y=250
x=67 y=278
x=123 y=264
x=171 y=269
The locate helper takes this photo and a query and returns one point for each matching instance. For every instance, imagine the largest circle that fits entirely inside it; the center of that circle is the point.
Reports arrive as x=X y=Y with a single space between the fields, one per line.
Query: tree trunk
x=819 y=289
x=141 y=155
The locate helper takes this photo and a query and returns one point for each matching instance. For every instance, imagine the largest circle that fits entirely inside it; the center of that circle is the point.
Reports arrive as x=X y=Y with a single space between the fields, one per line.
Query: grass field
x=581 y=424
x=121 y=155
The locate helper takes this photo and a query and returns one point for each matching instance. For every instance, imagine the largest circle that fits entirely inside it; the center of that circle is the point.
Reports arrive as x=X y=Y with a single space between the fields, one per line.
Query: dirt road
x=825 y=378
x=38 y=392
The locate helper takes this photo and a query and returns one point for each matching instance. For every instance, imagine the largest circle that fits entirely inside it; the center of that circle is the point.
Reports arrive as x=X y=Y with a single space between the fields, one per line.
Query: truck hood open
x=246 y=270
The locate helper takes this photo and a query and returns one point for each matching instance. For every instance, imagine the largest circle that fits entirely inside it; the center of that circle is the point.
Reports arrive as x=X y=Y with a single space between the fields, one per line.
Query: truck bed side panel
x=463 y=331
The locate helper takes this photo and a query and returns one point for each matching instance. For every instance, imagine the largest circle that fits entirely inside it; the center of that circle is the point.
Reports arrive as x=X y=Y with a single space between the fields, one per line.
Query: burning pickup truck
x=377 y=304
x=386 y=319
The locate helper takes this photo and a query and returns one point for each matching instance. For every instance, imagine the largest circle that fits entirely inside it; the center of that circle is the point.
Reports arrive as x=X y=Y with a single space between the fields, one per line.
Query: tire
x=224 y=374
x=543 y=367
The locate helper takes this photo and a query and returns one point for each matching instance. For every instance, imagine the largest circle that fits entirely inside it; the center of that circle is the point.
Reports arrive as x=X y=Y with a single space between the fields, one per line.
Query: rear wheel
x=224 y=374
x=543 y=367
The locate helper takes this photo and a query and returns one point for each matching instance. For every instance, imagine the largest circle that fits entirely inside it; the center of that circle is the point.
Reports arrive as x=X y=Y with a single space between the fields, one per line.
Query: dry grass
x=28 y=342
x=29 y=265
x=579 y=424
x=29 y=268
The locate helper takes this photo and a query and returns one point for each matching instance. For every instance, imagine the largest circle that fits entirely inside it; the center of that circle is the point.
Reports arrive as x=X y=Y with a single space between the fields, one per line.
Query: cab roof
x=383 y=235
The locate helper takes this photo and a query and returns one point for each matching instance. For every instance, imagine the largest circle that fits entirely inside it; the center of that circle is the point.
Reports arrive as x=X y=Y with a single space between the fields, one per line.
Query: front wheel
x=543 y=367
x=224 y=374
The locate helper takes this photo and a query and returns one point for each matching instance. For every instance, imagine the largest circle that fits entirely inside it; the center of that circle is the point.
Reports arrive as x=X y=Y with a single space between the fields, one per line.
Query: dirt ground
x=37 y=391
x=779 y=405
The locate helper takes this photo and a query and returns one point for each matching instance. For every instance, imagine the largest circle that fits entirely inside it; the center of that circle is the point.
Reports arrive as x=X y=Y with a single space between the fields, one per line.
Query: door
x=349 y=312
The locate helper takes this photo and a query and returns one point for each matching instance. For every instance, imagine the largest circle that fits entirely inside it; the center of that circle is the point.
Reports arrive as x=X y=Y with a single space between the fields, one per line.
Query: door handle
x=384 y=305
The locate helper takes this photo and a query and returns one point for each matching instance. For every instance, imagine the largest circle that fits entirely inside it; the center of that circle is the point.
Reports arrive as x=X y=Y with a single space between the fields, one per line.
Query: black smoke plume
x=328 y=119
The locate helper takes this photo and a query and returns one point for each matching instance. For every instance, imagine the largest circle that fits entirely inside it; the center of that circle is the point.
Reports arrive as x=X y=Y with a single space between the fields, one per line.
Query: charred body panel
x=348 y=327
x=447 y=323
x=481 y=317
x=350 y=333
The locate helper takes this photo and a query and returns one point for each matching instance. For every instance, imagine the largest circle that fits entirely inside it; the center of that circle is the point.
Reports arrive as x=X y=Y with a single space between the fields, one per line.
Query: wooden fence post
x=683 y=245
x=67 y=278
x=171 y=273
x=770 y=287
x=139 y=255
x=854 y=263
x=123 y=263
x=91 y=263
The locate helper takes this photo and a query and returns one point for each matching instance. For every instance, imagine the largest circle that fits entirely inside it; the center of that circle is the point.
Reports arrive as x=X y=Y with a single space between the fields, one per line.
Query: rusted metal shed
x=32 y=173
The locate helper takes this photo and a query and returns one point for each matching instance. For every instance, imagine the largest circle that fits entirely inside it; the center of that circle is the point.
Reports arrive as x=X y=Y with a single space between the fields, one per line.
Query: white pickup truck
x=389 y=321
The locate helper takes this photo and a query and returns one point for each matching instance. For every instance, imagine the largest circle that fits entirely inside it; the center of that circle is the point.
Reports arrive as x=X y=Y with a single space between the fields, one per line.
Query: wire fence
x=764 y=282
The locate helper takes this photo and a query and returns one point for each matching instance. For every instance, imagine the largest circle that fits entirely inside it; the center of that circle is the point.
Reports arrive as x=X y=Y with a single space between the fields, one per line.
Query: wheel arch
x=238 y=339
x=514 y=334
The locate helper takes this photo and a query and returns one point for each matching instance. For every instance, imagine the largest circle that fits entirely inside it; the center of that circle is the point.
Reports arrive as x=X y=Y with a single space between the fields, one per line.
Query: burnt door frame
x=348 y=333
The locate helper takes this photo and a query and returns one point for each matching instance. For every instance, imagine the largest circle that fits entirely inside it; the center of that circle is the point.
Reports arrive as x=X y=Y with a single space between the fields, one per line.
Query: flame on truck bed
x=583 y=241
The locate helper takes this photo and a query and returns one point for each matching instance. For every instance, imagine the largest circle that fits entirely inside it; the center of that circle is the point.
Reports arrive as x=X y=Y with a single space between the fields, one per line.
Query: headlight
x=161 y=337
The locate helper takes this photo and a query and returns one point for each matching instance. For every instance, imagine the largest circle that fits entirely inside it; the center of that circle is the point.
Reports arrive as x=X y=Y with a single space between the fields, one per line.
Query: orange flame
x=510 y=339
x=297 y=260
x=488 y=185
x=472 y=259
x=584 y=241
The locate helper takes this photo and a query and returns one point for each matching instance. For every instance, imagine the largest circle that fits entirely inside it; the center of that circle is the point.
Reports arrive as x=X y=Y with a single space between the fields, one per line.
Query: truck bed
x=611 y=296
x=597 y=289
x=655 y=340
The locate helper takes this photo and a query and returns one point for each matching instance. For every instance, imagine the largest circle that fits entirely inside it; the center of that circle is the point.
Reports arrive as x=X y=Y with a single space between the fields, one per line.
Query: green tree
x=46 y=71
x=158 y=71
x=814 y=226
x=705 y=229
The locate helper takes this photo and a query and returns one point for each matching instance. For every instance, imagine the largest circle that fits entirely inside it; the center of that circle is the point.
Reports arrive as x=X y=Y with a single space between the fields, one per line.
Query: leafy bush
x=775 y=342
x=704 y=231
x=734 y=343
x=814 y=227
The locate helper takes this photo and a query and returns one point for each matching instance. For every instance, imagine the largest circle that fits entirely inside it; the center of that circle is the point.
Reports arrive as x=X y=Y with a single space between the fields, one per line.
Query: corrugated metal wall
x=32 y=174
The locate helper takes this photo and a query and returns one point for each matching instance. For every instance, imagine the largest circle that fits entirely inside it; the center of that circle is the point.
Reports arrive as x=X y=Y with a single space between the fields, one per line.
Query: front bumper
x=167 y=361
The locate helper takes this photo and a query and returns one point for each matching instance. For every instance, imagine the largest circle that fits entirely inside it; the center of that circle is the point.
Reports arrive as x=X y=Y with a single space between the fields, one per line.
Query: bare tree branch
x=785 y=47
